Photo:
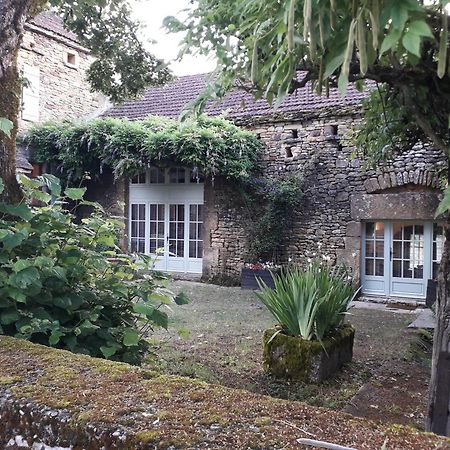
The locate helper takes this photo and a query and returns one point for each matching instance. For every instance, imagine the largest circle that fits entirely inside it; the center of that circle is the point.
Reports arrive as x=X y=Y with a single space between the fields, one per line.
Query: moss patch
x=165 y=410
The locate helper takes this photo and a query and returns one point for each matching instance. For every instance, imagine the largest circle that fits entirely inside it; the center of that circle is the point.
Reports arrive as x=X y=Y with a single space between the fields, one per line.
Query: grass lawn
x=387 y=379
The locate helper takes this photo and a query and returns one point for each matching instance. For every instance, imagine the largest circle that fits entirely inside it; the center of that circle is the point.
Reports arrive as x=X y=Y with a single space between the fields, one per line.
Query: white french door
x=166 y=220
x=398 y=258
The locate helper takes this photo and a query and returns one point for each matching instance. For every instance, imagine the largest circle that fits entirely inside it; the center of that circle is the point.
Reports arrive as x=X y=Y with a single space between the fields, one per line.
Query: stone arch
x=401 y=178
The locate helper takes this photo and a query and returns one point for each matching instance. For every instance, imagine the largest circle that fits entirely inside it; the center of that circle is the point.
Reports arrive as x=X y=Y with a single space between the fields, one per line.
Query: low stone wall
x=54 y=399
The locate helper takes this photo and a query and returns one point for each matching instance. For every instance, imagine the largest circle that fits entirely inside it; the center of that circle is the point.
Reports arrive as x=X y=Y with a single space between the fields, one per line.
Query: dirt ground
x=217 y=338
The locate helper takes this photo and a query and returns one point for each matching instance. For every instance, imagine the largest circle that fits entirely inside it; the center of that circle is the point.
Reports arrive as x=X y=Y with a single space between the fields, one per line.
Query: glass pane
x=199 y=231
x=141 y=246
x=406 y=250
x=437 y=231
x=152 y=246
x=398 y=231
x=370 y=228
x=152 y=229
x=408 y=232
x=199 y=249
x=134 y=229
x=133 y=245
x=152 y=212
x=200 y=213
x=192 y=249
x=407 y=270
x=180 y=230
x=397 y=249
x=161 y=212
x=418 y=271
x=180 y=250
x=192 y=212
x=181 y=213
x=192 y=231
x=172 y=212
x=379 y=267
x=379 y=249
x=418 y=232
x=397 y=269
x=369 y=248
x=379 y=230
x=141 y=229
x=134 y=209
x=369 y=267
x=141 y=212
x=161 y=229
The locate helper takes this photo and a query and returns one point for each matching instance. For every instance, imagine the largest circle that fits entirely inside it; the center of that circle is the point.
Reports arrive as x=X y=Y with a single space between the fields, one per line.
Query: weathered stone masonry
x=339 y=191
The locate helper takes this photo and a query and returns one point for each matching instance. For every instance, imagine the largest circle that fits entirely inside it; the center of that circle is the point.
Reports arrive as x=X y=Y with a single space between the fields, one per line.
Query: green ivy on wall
x=212 y=145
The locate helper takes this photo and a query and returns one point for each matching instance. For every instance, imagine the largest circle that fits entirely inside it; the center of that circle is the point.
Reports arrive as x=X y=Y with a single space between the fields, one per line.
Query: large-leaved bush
x=68 y=284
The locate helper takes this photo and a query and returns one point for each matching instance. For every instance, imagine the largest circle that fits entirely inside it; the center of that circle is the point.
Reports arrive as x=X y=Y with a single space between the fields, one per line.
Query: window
x=408 y=250
x=176 y=175
x=157 y=175
x=156 y=227
x=140 y=178
x=195 y=231
x=176 y=230
x=30 y=93
x=70 y=59
x=374 y=257
x=438 y=246
x=137 y=232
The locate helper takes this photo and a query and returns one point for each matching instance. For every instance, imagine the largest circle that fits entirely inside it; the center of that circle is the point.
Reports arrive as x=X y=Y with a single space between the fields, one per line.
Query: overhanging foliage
x=212 y=145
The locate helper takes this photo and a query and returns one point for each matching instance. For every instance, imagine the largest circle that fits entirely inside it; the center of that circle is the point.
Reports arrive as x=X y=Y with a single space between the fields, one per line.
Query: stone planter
x=248 y=278
x=295 y=358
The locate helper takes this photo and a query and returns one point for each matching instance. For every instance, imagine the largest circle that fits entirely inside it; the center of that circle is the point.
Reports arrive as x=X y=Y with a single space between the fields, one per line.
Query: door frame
x=388 y=285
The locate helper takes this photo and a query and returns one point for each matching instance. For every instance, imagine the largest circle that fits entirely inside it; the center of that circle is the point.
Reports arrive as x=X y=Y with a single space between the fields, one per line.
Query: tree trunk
x=439 y=394
x=13 y=14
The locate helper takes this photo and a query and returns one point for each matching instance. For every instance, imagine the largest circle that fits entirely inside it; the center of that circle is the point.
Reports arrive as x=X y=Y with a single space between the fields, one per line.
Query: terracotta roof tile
x=170 y=100
x=50 y=21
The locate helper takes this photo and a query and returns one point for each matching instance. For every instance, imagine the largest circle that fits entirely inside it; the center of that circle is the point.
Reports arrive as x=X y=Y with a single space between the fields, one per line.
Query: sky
x=152 y=13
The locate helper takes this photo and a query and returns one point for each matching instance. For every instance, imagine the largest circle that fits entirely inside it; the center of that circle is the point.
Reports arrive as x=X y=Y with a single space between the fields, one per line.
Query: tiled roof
x=170 y=100
x=50 y=21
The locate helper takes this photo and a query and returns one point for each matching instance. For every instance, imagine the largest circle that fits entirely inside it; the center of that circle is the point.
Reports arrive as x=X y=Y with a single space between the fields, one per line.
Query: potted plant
x=311 y=341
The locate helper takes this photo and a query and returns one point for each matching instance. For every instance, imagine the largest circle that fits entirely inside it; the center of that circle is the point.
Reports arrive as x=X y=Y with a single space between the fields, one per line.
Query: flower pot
x=309 y=361
x=248 y=278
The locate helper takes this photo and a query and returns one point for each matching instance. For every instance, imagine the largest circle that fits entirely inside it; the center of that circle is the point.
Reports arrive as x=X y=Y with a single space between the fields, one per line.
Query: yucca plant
x=309 y=303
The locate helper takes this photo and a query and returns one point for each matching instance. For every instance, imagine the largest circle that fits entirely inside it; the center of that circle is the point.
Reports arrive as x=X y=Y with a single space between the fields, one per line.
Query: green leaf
x=55 y=336
x=421 y=28
x=52 y=183
x=108 y=351
x=160 y=318
x=21 y=210
x=390 y=41
x=130 y=337
x=399 y=16
x=411 y=42
x=25 y=278
x=144 y=309
x=13 y=240
x=75 y=193
x=6 y=126
x=444 y=205
x=181 y=299
x=9 y=316
x=16 y=294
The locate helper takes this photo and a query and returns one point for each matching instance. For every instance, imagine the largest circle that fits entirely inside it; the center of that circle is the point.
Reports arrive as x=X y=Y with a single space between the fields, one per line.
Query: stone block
x=353 y=229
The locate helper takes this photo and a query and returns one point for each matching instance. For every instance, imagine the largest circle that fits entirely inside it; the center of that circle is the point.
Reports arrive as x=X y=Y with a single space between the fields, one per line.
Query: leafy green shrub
x=309 y=303
x=69 y=285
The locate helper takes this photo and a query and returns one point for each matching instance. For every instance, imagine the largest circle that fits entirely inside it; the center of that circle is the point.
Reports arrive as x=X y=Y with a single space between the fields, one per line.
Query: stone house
x=378 y=222
x=54 y=66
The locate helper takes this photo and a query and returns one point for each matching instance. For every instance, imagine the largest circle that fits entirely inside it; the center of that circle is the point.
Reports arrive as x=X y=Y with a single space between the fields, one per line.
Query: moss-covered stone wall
x=54 y=398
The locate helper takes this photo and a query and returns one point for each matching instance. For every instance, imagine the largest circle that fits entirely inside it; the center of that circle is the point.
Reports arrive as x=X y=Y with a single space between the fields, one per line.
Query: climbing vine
x=213 y=146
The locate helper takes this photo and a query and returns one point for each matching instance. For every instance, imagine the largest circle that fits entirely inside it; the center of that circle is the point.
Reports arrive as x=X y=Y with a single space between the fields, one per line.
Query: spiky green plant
x=309 y=303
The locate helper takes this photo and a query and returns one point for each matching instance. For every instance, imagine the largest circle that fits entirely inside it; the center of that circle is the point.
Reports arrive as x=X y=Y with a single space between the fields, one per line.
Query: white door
x=166 y=218
x=400 y=257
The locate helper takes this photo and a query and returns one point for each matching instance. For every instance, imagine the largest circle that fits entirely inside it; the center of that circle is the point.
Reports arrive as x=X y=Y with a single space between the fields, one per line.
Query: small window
x=140 y=178
x=70 y=59
x=157 y=175
x=288 y=151
x=176 y=175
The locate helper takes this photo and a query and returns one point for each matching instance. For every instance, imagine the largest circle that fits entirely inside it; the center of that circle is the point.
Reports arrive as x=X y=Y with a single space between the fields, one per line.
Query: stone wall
x=318 y=147
x=64 y=91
